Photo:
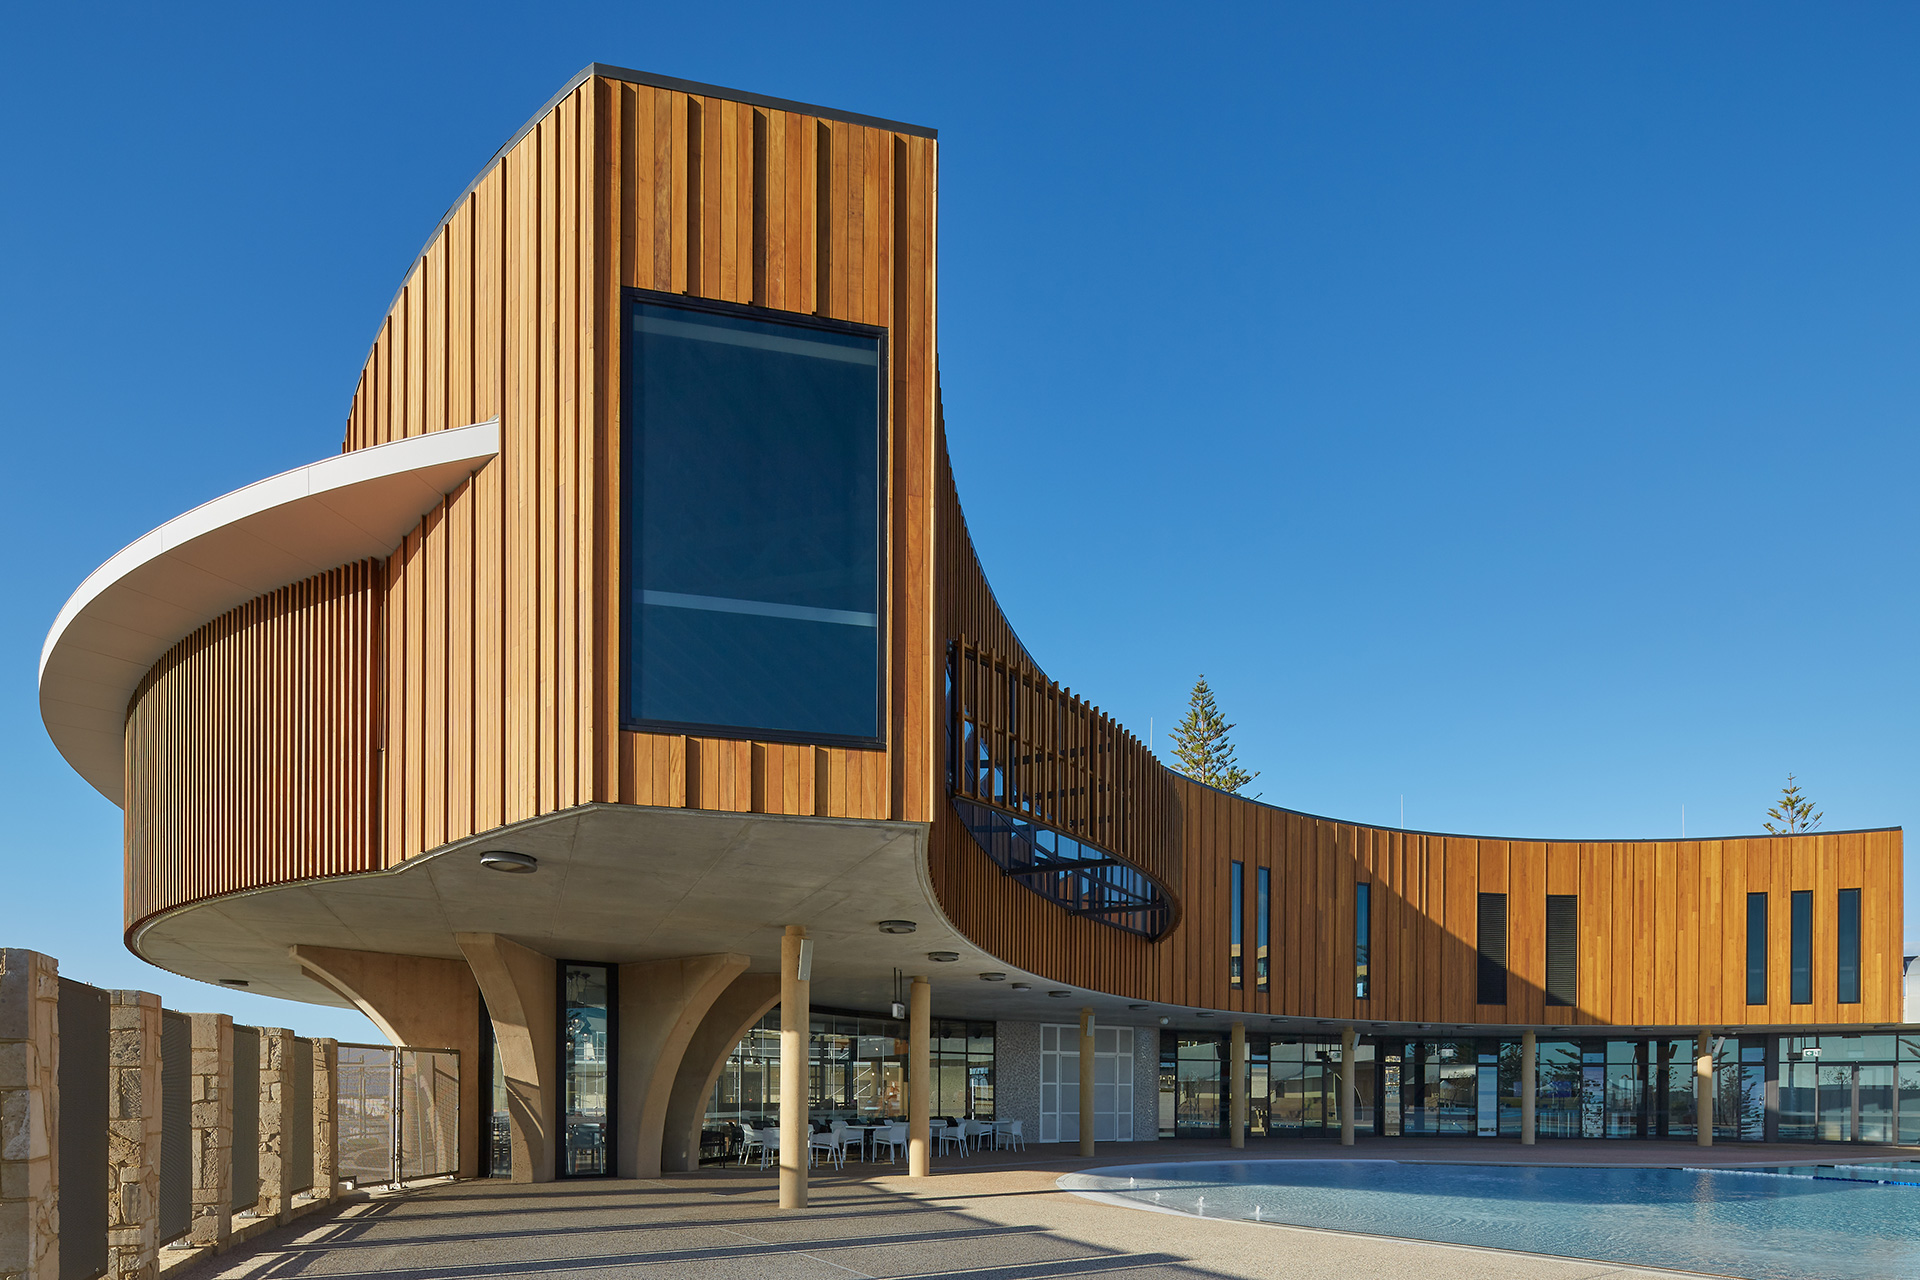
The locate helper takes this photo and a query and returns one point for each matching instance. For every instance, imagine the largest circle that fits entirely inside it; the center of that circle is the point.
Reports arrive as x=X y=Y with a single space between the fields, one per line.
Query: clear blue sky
x=1510 y=407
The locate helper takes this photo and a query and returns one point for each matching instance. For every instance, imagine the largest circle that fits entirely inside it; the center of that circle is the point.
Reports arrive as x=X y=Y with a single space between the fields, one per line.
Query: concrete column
x=1349 y=1093
x=276 y=1113
x=1086 y=1082
x=1529 y=1078
x=212 y=1143
x=796 y=1012
x=29 y=1115
x=662 y=1003
x=326 y=1123
x=750 y=998
x=133 y=1135
x=919 y=1080
x=520 y=987
x=1237 y=1089
x=423 y=1002
x=1703 y=1088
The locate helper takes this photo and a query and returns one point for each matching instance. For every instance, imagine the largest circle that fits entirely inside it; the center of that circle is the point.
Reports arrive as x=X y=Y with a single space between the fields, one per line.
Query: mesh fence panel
x=363 y=1108
x=398 y=1112
x=429 y=1113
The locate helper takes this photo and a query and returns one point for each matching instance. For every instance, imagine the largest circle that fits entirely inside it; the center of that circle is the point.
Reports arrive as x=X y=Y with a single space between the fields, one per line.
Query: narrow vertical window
x=1801 y=944
x=1563 y=949
x=1362 y=941
x=1849 y=936
x=1238 y=925
x=1493 y=948
x=1756 y=948
x=1262 y=923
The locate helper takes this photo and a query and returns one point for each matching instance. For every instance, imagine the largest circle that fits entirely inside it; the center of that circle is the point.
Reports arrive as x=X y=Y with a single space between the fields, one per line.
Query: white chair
x=749 y=1139
x=893 y=1137
x=770 y=1145
x=952 y=1135
x=833 y=1143
x=1007 y=1133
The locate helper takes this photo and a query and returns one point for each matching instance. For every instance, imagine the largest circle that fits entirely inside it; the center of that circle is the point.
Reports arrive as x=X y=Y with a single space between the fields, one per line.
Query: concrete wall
x=1016 y=1074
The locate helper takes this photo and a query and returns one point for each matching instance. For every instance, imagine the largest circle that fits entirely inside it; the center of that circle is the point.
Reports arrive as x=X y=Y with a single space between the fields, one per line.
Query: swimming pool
x=1783 y=1223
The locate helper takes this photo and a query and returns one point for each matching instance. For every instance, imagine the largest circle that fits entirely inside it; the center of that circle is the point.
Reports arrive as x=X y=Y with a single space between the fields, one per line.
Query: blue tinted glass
x=753 y=524
x=1849 y=983
x=1800 y=943
x=1756 y=948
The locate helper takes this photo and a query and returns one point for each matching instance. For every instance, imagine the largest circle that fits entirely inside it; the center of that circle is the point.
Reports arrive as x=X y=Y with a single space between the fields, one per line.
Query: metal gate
x=398 y=1112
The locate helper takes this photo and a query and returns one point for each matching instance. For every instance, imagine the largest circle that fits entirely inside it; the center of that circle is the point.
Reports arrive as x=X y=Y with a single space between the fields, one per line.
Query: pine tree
x=1794 y=813
x=1201 y=747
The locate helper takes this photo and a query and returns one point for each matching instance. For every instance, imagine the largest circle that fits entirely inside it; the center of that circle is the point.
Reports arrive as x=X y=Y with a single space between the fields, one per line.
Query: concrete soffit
x=132 y=609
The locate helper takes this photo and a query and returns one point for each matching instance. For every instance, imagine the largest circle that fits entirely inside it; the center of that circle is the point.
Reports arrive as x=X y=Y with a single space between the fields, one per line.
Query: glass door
x=586 y=1075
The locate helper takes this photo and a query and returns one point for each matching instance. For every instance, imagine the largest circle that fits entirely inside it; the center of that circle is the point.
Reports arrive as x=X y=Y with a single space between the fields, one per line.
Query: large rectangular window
x=1262 y=924
x=1849 y=939
x=752 y=518
x=1493 y=948
x=1800 y=943
x=1362 y=941
x=1237 y=926
x=1563 y=949
x=1756 y=948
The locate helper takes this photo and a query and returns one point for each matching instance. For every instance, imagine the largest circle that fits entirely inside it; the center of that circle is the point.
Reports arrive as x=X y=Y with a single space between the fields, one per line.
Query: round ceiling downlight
x=514 y=864
x=943 y=957
x=897 y=926
x=993 y=977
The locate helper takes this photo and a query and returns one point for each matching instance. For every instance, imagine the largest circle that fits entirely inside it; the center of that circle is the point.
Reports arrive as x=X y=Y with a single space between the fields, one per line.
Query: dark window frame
x=1800 y=945
x=1263 y=928
x=1492 y=958
x=560 y=1070
x=1846 y=937
x=1237 y=926
x=1562 y=990
x=883 y=560
x=1363 y=940
x=1757 y=957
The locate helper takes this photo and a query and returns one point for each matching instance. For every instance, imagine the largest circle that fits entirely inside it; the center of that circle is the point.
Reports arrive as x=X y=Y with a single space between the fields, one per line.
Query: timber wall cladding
x=1662 y=924
x=504 y=630
x=251 y=747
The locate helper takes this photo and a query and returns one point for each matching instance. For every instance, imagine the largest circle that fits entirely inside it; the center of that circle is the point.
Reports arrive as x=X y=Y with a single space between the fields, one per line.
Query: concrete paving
x=984 y=1217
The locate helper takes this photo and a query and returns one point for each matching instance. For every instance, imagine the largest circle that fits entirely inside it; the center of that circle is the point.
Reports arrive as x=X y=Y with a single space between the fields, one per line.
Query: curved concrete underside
x=622 y=883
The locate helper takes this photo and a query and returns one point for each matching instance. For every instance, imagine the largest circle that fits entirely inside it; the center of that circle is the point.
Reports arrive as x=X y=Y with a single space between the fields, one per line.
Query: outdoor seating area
x=871 y=1140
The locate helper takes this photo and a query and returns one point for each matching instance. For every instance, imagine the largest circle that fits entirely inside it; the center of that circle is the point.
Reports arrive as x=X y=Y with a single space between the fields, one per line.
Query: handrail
x=1034 y=751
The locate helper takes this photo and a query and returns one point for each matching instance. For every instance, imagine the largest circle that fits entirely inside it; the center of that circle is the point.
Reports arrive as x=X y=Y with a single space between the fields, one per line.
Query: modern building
x=635 y=639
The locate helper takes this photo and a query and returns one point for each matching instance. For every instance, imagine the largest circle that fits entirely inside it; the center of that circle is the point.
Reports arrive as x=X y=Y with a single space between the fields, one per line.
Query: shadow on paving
x=691 y=1228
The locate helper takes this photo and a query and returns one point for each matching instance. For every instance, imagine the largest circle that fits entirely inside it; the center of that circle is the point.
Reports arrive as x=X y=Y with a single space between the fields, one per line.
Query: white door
x=1060 y=1083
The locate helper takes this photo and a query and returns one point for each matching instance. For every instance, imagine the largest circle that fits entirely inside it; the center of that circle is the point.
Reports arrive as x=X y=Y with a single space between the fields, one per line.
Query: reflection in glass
x=752 y=521
x=585 y=1077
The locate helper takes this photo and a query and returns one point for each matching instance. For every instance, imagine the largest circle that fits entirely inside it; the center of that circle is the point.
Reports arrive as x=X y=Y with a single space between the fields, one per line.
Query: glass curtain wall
x=856 y=1071
x=1293 y=1086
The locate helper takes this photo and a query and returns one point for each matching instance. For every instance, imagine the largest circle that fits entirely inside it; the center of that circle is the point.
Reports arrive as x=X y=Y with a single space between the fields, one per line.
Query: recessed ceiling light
x=1164 y=1020
x=515 y=864
x=1139 y=1006
x=993 y=977
x=1205 y=1015
x=943 y=957
x=897 y=926
x=1023 y=986
x=1059 y=995
x=233 y=982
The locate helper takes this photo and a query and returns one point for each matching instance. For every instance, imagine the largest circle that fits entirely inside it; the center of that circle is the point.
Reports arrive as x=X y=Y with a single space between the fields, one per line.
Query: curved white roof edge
x=223 y=553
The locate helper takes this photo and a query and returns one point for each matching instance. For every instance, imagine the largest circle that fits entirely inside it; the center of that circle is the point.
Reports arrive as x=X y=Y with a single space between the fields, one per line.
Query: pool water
x=1806 y=1222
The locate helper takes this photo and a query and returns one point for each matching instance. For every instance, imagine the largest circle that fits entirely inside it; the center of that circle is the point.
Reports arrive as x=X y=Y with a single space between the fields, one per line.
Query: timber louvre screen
x=176 y=1125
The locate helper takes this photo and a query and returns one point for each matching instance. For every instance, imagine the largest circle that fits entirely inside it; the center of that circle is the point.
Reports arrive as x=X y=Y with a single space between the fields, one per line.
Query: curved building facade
x=643 y=566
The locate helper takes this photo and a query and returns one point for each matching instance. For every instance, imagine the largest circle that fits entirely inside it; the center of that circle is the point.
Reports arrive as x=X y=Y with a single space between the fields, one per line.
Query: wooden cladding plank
x=278 y=689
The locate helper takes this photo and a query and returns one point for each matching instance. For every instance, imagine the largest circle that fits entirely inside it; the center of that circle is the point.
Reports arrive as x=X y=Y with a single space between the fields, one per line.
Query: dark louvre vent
x=1563 y=948
x=1493 y=948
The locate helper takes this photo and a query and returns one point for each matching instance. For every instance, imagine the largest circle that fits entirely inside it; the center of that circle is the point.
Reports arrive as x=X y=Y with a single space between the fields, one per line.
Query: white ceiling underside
x=221 y=554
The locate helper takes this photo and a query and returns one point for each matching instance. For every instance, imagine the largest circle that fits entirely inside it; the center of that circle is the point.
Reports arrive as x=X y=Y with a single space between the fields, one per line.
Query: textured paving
x=977 y=1219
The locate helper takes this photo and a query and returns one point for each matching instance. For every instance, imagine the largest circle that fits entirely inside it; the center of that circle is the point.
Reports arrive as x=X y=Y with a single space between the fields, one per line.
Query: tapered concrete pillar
x=1349 y=1092
x=750 y=997
x=796 y=968
x=212 y=1110
x=1086 y=1082
x=919 y=1079
x=1237 y=1088
x=1529 y=1074
x=521 y=988
x=1703 y=1088
x=662 y=1003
